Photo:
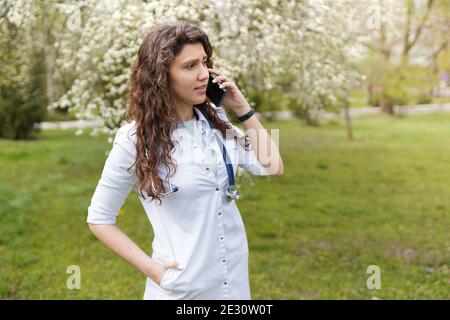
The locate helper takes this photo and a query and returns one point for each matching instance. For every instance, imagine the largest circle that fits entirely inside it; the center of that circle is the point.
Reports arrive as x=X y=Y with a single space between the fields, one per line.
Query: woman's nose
x=205 y=73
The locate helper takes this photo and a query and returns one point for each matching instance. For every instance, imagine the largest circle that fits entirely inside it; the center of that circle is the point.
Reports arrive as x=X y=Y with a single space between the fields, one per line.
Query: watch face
x=213 y=91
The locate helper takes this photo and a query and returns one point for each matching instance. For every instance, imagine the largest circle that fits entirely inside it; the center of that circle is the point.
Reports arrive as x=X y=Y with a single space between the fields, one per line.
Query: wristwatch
x=247 y=115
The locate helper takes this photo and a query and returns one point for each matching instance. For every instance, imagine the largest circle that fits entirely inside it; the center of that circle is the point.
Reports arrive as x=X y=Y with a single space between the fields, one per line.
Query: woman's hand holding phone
x=234 y=99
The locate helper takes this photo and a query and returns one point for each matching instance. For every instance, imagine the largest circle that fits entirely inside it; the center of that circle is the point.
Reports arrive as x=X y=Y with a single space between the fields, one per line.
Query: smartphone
x=213 y=91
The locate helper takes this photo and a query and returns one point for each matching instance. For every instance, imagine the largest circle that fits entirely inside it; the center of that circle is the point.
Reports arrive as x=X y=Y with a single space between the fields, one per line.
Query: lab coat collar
x=203 y=121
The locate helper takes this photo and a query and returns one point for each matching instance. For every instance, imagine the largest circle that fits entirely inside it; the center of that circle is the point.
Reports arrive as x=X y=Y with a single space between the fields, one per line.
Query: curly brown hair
x=151 y=102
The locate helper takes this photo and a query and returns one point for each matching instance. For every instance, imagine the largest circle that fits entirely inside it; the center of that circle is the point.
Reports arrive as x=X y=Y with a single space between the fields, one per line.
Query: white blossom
x=259 y=45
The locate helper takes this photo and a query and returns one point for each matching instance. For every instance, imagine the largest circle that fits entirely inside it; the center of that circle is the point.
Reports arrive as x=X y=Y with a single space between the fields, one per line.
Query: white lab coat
x=195 y=226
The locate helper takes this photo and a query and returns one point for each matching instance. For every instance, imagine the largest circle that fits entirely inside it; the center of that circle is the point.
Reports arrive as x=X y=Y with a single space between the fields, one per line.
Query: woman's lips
x=201 y=90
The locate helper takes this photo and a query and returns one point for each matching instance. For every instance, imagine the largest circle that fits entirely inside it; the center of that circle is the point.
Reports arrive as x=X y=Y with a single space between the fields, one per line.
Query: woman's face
x=188 y=72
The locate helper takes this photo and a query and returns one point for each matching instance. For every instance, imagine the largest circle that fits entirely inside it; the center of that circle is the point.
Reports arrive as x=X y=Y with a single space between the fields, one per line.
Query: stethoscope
x=172 y=189
x=231 y=193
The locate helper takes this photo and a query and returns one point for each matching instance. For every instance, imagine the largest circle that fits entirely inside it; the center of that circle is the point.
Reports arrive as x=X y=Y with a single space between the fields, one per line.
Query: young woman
x=182 y=170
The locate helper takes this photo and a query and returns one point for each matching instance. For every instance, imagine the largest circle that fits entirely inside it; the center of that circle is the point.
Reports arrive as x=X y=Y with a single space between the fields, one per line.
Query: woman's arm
x=114 y=186
x=265 y=148
x=118 y=242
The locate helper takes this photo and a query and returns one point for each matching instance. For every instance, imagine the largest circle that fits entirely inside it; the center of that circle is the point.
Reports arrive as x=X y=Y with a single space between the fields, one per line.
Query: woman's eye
x=191 y=65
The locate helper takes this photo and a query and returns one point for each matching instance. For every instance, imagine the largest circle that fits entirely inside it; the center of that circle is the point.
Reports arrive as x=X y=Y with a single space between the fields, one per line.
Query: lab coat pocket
x=168 y=278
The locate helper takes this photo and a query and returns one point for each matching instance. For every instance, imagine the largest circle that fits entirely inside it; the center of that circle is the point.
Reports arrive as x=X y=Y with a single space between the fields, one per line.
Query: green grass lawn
x=382 y=199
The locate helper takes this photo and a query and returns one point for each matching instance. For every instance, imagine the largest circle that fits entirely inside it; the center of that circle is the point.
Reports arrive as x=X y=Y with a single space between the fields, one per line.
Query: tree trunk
x=348 y=123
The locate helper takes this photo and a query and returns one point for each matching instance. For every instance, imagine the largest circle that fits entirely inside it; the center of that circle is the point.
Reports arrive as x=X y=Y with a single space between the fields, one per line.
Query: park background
x=360 y=93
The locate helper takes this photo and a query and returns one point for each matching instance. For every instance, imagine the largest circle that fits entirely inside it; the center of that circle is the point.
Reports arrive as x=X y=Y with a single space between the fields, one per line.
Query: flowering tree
x=393 y=37
x=23 y=98
x=292 y=46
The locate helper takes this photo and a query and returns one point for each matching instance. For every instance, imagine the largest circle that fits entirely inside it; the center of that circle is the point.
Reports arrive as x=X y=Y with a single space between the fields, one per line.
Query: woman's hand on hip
x=162 y=269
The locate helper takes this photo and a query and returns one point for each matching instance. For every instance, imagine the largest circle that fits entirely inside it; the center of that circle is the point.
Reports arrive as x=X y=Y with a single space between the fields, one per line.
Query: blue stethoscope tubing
x=226 y=157
x=228 y=164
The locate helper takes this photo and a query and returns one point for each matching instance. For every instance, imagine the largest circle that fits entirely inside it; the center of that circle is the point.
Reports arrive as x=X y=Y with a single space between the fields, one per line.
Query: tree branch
x=409 y=45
